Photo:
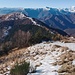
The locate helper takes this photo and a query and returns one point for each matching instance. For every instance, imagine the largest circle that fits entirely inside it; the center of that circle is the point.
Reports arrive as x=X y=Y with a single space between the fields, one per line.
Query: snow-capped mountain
x=12 y=16
x=37 y=10
x=72 y=9
x=62 y=18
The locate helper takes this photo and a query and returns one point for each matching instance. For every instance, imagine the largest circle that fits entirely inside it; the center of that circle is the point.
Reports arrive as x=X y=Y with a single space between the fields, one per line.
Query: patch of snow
x=6 y=31
x=34 y=22
x=15 y=16
x=72 y=9
x=9 y=28
x=69 y=45
x=46 y=9
x=73 y=62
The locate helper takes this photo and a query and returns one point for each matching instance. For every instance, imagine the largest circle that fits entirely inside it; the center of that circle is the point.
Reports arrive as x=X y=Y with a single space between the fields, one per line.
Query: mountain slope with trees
x=19 y=30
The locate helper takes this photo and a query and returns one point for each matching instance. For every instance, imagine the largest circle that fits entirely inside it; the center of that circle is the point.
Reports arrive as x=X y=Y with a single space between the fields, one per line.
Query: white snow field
x=42 y=56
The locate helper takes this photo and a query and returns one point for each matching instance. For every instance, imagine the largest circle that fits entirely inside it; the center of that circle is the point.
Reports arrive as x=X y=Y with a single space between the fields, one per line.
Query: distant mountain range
x=63 y=19
x=55 y=11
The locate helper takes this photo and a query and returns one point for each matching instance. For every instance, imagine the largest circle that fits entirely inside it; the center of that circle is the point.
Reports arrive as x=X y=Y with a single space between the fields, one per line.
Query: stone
x=4 y=69
x=38 y=64
x=8 y=68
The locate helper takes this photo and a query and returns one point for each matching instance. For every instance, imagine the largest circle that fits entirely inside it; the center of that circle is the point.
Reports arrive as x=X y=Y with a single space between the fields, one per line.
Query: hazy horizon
x=36 y=4
x=35 y=7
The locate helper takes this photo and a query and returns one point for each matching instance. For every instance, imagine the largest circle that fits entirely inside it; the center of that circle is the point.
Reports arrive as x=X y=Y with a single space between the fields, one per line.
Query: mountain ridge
x=17 y=18
x=57 y=18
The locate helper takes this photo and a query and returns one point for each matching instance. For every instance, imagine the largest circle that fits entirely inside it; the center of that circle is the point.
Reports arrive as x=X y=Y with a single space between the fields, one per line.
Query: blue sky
x=37 y=3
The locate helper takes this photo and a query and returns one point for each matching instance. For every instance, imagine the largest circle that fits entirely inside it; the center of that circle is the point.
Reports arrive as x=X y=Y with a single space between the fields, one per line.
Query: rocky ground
x=48 y=58
x=8 y=61
x=53 y=58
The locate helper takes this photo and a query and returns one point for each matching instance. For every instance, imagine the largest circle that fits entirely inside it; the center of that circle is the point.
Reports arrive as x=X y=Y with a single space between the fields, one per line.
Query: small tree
x=21 y=38
x=20 y=69
x=7 y=47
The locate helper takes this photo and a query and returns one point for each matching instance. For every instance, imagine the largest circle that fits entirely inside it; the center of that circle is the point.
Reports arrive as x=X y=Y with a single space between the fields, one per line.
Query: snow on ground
x=34 y=22
x=73 y=62
x=43 y=56
x=69 y=45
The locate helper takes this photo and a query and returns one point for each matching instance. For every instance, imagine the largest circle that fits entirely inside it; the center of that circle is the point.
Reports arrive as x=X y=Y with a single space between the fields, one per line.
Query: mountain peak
x=72 y=8
x=15 y=15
